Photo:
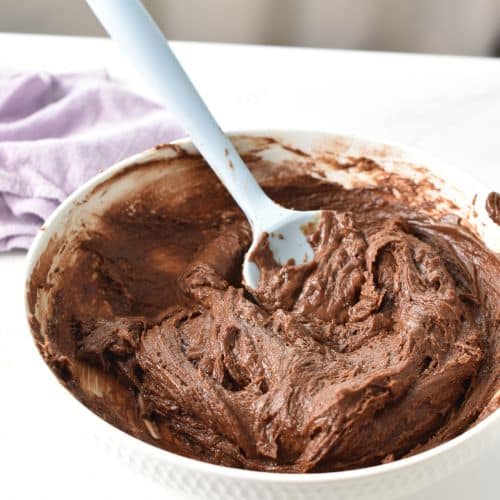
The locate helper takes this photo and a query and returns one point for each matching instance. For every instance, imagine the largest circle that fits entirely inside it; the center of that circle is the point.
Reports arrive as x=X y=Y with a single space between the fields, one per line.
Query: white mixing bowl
x=465 y=466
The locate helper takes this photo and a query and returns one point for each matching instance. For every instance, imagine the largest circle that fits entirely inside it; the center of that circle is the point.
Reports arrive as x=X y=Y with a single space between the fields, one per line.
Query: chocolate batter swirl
x=386 y=344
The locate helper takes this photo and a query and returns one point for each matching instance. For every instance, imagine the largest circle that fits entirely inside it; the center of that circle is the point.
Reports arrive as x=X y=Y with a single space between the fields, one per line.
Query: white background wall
x=441 y=26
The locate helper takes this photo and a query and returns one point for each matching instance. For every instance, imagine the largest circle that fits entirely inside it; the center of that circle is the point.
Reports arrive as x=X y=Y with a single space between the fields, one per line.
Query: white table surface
x=447 y=106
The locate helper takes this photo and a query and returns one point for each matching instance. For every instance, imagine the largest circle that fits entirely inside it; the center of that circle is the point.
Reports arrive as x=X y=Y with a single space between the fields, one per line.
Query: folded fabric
x=56 y=132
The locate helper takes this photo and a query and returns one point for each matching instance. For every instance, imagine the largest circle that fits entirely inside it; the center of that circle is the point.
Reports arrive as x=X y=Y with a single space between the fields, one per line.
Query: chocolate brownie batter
x=386 y=344
x=493 y=207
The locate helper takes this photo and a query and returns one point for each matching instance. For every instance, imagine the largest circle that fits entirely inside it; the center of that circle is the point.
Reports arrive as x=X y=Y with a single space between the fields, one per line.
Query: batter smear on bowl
x=386 y=344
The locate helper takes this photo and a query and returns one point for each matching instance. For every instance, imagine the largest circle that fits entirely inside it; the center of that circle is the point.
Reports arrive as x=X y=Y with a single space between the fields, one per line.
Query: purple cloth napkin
x=56 y=132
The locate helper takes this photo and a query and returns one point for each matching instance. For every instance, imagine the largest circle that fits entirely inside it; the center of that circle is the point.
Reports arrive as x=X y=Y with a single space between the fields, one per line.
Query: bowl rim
x=174 y=459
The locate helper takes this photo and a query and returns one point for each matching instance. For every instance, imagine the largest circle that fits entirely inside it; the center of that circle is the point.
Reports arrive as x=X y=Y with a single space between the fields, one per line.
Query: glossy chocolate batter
x=386 y=344
x=493 y=207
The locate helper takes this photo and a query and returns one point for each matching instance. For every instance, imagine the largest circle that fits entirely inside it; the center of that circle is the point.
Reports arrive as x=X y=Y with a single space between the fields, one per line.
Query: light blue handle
x=128 y=22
